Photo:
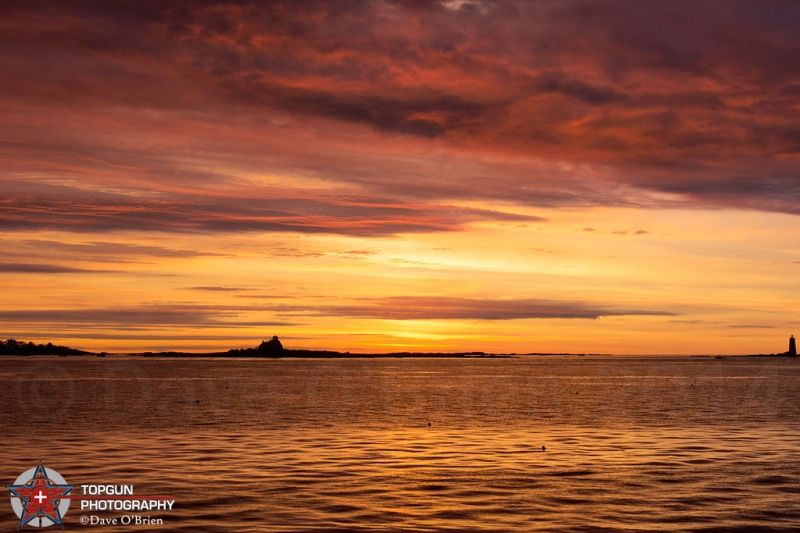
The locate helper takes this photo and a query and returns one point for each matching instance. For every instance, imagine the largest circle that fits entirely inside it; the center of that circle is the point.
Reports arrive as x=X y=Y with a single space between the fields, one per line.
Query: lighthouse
x=792 y=348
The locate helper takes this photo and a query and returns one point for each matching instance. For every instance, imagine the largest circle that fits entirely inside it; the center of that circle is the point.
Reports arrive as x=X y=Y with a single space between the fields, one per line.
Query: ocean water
x=631 y=444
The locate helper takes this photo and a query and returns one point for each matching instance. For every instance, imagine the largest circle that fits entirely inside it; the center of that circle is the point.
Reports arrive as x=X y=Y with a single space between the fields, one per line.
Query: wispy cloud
x=218 y=289
x=249 y=209
x=449 y=308
x=31 y=268
x=142 y=316
x=111 y=251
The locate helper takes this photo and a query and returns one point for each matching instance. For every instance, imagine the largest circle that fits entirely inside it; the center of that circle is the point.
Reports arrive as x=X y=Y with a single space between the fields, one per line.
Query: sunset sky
x=506 y=176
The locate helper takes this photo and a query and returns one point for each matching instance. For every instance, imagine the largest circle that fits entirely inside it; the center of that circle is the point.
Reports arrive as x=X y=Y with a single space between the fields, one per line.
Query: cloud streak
x=450 y=308
x=32 y=268
x=251 y=209
x=134 y=318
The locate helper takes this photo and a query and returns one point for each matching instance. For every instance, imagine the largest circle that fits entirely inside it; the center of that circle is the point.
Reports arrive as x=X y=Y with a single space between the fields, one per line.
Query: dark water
x=632 y=444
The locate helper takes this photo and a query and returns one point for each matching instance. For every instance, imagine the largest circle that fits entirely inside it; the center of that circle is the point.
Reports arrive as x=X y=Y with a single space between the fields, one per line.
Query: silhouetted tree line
x=14 y=347
x=270 y=348
x=274 y=348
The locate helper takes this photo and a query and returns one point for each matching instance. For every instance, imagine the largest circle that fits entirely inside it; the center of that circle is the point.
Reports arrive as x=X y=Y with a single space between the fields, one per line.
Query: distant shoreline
x=267 y=350
x=311 y=354
x=324 y=354
x=23 y=349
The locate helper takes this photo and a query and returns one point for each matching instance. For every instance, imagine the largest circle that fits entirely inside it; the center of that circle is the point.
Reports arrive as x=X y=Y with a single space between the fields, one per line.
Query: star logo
x=37 y=497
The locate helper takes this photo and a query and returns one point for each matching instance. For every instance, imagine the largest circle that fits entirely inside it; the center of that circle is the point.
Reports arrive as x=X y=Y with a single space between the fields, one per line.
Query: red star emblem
x=40 y=497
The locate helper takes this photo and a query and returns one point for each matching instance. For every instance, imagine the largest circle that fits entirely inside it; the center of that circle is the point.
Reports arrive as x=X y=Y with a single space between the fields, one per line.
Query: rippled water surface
x=638 y=444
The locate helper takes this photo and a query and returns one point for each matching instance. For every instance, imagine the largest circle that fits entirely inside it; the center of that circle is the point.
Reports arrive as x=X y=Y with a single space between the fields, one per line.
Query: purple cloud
x=450 y=308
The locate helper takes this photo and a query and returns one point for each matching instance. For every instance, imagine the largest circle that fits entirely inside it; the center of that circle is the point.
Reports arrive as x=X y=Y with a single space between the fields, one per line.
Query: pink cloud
x=482 y=102
x=246 y=209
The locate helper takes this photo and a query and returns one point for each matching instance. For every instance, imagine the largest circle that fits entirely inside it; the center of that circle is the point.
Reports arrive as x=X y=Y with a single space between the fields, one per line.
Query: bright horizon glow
x=504 y=177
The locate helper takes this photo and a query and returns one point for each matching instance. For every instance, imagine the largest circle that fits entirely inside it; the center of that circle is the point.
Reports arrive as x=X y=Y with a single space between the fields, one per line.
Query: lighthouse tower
x=792 y=348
